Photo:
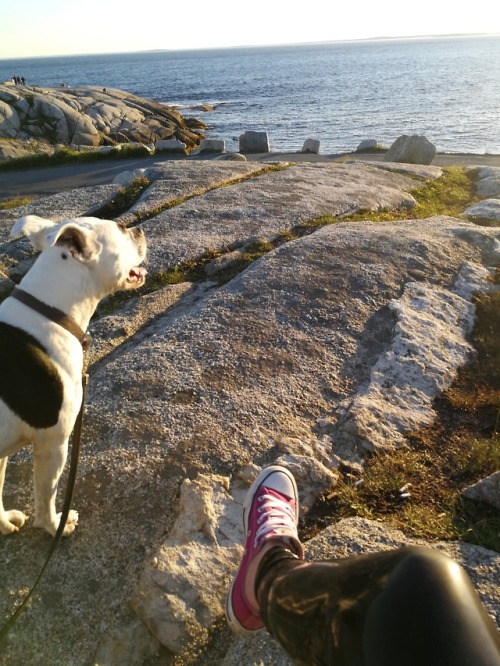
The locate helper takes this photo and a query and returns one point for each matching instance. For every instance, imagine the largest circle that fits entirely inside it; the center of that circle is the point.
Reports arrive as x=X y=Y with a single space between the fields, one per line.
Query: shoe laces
x=277 y=517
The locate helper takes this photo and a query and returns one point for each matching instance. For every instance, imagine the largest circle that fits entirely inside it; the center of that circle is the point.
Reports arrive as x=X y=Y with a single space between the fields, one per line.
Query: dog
x=42 y=326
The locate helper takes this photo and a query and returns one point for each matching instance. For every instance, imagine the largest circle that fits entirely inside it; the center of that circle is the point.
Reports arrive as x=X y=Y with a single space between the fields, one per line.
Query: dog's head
x=110 y=251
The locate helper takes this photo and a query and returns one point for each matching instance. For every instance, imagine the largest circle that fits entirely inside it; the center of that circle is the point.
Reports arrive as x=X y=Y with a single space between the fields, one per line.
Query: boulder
x=232 y=157
x=211 y=146
x=367 y=144
x=104 y=150
x=171 y=146
x=254 y=142
x=9 y=121
x=411 y=150
x=126 y=177
x=489 y=187
x=489 y=209
x=486 y=490
x=311 y=146
x=487 y=181
x=85 y=133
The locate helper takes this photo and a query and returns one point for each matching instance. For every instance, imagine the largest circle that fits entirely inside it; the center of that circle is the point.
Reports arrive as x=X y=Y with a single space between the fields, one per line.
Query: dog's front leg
x=10 y=521
x=49 y=460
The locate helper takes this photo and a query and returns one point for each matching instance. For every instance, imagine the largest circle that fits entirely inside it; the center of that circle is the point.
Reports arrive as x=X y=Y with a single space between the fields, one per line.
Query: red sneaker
x=271 y=511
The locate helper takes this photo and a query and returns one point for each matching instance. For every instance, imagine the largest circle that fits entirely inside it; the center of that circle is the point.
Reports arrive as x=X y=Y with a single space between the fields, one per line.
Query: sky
x=30 y=28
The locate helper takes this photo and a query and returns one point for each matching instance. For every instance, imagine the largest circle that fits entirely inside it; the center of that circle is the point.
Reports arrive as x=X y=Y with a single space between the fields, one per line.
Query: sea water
x=340 y=93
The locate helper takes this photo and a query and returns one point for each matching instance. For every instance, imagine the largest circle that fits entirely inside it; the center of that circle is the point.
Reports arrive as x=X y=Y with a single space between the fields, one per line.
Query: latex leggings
x=406 y=607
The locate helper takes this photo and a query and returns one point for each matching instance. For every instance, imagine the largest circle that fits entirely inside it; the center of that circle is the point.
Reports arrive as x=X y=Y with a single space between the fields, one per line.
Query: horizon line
x=270 y=45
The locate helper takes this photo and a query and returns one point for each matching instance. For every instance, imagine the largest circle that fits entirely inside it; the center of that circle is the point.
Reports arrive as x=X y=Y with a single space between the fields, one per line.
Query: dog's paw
x=11 y=521
x=52 y=527
x=71 y=523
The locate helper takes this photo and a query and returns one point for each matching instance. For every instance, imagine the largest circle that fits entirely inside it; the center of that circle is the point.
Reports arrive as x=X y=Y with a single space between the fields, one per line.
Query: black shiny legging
x=406 y=607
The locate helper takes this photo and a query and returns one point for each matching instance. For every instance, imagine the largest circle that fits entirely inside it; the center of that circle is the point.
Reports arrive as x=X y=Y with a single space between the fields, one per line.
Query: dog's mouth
x=137 y=276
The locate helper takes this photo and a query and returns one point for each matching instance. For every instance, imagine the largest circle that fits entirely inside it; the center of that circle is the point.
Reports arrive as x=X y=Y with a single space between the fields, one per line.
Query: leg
x=410 y=606
x=10 y=521
x=429 y=613
x=49 y=461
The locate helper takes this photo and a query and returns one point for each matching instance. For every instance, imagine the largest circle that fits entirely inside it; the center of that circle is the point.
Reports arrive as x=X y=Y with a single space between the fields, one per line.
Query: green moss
x=68 y=156
x=448 y=195
x=123 y=199
x=15 y=203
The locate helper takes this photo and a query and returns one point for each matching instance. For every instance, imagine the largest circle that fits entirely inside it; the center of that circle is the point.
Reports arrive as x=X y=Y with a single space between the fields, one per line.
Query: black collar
x=54 y=314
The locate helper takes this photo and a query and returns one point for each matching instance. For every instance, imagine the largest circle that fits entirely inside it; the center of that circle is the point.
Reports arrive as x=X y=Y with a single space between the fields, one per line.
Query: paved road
x=49 y=180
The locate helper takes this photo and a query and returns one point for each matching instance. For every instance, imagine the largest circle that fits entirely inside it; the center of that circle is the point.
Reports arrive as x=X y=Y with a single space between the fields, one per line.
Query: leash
x=70 y=325
x=75 y=450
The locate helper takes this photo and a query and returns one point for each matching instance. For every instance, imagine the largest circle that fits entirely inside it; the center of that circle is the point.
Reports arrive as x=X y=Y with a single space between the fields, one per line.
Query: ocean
x=340 y=93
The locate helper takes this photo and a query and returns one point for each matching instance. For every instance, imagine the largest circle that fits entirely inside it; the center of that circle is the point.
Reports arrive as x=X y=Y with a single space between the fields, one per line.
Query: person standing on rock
x=410 y=606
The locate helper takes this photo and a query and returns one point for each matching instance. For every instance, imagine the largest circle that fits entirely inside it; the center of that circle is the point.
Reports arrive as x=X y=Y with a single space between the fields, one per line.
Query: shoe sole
x=234 y=624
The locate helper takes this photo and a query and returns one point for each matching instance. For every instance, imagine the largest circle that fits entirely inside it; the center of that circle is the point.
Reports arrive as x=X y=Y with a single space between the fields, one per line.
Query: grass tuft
x=123 y=199
x=448 y=195
x=15 y=203
x=67 y=156
x=462 y=447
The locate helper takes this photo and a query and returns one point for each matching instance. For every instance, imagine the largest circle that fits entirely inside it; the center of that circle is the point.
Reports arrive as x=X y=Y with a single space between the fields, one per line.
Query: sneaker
x=271 y=511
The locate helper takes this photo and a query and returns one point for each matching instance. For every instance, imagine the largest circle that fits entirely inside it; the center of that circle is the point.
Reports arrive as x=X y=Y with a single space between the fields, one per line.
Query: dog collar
x=54 y=314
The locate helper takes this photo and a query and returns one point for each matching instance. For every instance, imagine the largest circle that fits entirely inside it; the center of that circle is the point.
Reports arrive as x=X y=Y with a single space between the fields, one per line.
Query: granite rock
x=486 y=490
x=90 y=116
x=196 y=386
x=488 y=209
x=254 y=142
x=487 y=181
x=412 y=150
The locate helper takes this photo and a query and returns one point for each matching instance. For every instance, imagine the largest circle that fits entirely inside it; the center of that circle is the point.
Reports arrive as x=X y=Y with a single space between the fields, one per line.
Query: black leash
x=75 y=451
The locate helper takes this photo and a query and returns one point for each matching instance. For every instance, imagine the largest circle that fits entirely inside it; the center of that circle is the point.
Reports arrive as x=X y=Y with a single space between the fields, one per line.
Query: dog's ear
x=79 y=241
x=35 y=228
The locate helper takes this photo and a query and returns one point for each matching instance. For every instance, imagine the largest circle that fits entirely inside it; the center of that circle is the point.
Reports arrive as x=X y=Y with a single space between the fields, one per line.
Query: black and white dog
x=41 y=358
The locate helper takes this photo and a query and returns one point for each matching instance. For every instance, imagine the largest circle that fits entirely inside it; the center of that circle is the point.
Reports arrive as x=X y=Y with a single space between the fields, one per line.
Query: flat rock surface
x=199 y=378
x=273 y=202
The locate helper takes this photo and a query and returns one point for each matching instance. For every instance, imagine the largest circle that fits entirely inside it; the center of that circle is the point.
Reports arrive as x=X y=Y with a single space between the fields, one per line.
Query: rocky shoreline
x=89 y=117
x=42 y=120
